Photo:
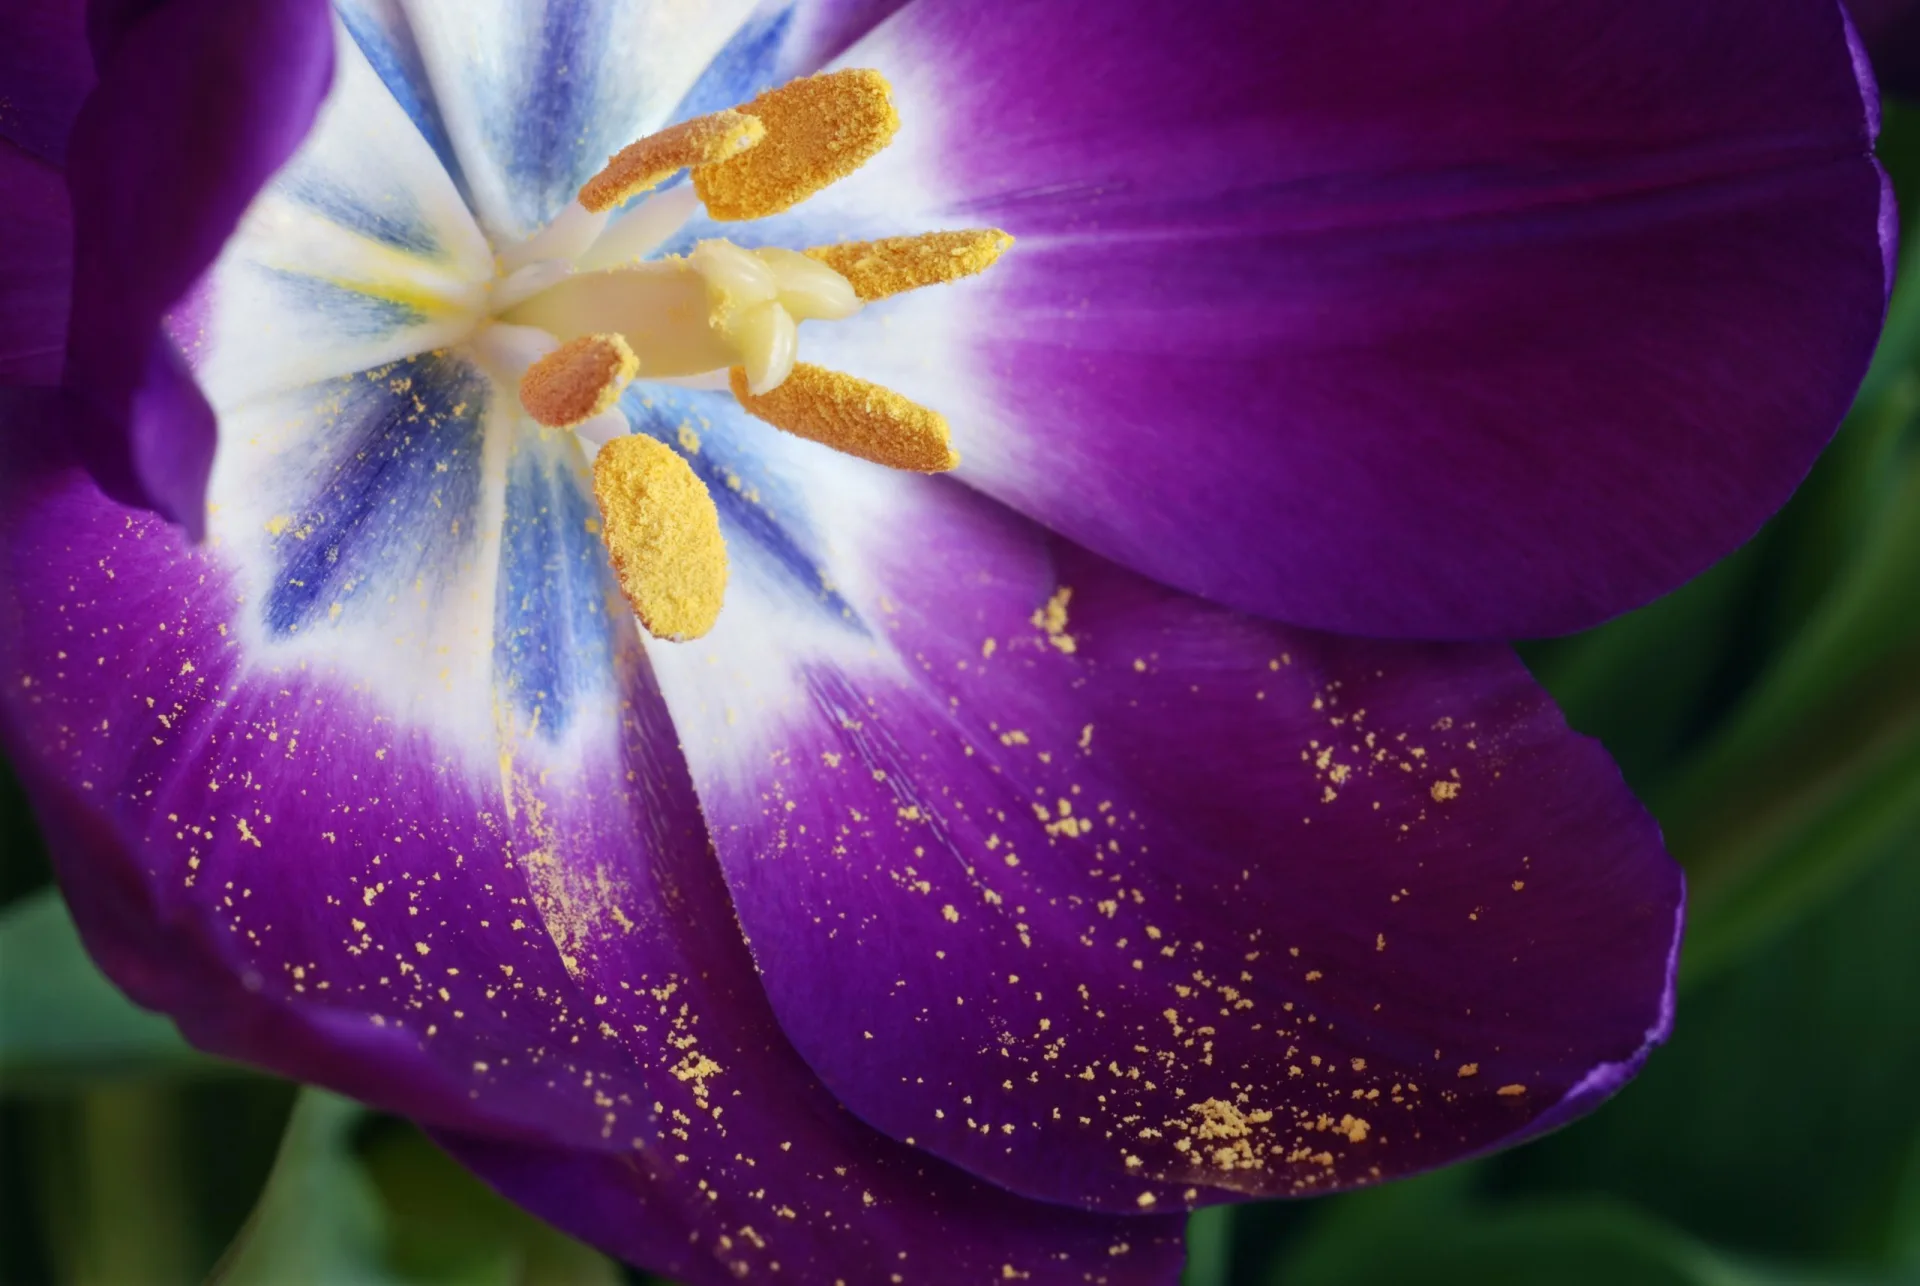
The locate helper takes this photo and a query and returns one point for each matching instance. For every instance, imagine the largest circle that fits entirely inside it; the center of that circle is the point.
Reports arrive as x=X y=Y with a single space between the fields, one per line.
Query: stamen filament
x=578 y=380
x=662 y=535
x=642 y=229
x=819 y=129
x=704 y=140
x=571 y=232
x=890 y=266
x=852 y=416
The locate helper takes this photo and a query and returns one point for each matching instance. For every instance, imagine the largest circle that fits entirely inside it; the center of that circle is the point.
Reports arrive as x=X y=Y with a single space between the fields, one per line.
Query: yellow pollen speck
x=1469 y=1069
x=888 y=267
x=1442 y=791
x=704 y=140
x=578 y=380
x=1511 y=1091
x=663 y=535
x=852 y=416
x=1053 y=619
x=819 y=129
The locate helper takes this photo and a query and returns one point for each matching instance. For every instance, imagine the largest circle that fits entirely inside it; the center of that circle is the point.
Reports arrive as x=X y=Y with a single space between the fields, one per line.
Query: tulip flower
x=847 y=641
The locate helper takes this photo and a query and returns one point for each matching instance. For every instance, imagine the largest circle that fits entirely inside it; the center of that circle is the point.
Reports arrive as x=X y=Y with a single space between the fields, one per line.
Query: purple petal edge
x=199 y=103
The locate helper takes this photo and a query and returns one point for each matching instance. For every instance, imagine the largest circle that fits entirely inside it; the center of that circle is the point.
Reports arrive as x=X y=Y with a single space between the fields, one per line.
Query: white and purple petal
x=524 y=944
x=1114 y=897
x=358 y=252
x=1442 y=322
x=533 y=97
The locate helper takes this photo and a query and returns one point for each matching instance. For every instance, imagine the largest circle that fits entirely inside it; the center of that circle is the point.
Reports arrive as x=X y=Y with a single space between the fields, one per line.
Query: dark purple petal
x=199 y=102
x=45 y=71
x=522 y=942
x=1114 y=897
x=1440 y=321
x=36 y=267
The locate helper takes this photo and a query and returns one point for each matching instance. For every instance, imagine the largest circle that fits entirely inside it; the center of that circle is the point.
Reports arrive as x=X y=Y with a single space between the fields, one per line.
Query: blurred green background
x=1769 y=714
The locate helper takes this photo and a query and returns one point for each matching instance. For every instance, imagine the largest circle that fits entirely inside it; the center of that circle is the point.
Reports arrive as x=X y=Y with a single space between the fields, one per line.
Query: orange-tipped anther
x=578 y=380
x=852 y=416
x=662 y=535
x=819 y=130
x=877 y=269
x=635 y=168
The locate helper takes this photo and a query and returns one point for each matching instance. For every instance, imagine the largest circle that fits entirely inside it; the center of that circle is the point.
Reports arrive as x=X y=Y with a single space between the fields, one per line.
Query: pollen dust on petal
x=853 y=416
x=662 y=534
x=819 y=130
x=893 y=265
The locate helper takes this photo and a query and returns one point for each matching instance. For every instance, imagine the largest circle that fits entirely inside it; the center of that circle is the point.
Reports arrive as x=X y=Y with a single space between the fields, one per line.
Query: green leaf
x=368 y=1200
x=1209 y=1247
x=1574 y=1242
x=319 y=1221
x=1817 y=772
x=61 y=1020
x=1781 y=1120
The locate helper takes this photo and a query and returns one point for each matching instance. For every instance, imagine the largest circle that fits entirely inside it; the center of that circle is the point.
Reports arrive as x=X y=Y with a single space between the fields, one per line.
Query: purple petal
x=1436 y=321
x=1117 y=898
x=46 y=69
x=36 y=264
x=199 y=102
x=523 y=943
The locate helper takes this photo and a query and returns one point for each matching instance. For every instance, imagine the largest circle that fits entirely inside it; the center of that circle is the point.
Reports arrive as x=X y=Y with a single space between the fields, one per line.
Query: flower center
x=576 y=315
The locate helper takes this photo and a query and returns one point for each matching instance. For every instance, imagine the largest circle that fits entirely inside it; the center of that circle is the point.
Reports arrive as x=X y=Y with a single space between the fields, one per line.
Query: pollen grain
x=578 y=380
x=854 y=417
x=819 y=129
x=662 y=534
x=891 y=266
x=704 y=140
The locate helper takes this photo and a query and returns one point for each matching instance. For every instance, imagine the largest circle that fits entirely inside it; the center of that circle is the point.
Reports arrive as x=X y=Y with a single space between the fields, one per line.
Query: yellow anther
x=881 y=268
x=639 y=166
x=819 y=130
x=663 y=536
x=852 y=416
x=578 y=380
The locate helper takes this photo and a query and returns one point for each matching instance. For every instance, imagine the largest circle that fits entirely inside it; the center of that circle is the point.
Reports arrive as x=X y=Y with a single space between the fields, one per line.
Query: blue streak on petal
x=547 y=133
x=402 y=225
x=342 y=309
x=760 y=514
x=385 y=36
x=744 y=67
x=556 y=607
x=394 y=494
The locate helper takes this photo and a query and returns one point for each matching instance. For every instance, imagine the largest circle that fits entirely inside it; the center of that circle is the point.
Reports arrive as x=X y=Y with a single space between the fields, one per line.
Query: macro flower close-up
x=868 y=640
